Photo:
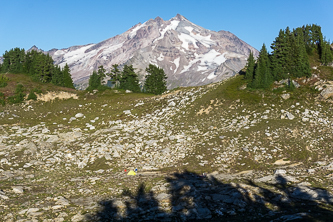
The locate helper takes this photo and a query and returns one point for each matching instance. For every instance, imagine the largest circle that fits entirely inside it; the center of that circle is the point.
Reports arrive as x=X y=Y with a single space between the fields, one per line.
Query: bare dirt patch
x=56 y=95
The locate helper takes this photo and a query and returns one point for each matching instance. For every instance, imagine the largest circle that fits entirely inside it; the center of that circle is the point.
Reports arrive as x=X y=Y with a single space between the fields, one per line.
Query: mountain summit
x=189 y=54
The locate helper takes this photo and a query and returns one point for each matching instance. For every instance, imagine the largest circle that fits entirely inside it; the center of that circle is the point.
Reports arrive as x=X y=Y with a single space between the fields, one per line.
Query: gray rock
x=163 y=196
x=203 y=213
x=172 y=103
x=280 y=171
x=62 y=201
x=18 y=189
x=4 y=197
x=327 y=92
x=31 y=148
x=77 y=217
x=79 y=115
x=296 y=84
x=312 y=194
x=285 y=96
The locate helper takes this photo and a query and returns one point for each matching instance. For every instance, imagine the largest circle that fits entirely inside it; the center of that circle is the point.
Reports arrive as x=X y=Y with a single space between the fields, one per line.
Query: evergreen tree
x=250 y=67
x=301 y=66
x=67 y=79
x=57 y=77
x=263 y=77
x=129 y=79
x=115 y=75
x=155 y=80
x=279 y=57
x=101 y=73
x=94 y=81
x=13 y=61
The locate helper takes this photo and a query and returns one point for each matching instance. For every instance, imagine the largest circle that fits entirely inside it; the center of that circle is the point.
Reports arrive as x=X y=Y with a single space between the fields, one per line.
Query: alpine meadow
x=169 y=121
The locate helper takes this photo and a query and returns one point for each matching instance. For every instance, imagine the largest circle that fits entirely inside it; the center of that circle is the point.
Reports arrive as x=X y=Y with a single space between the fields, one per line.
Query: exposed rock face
x=189 y=54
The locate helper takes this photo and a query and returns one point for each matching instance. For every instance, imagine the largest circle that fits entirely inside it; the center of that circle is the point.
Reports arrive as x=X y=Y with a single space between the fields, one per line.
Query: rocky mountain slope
x=214 y=152
x=189 y=54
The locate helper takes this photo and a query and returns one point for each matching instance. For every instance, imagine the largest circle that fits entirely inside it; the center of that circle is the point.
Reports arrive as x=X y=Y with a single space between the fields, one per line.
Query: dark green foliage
x=67 y=79
x=57 y=77
x=38 y=65
x=262 y=74
x=13 y=61
x=95 y=80
x=115 y=75
x=2 y=99
x=155 y=80
x=101 y=72
x=129 y=79
x=300 y=65
x=250 y=67
x=19 y=95
x=326 y=56
x=3 y=81
x=32 y=95
x=280 y=55
x=289 y=57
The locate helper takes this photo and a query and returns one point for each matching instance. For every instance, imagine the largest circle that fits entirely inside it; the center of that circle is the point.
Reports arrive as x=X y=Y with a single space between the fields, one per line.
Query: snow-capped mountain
x=189 y=54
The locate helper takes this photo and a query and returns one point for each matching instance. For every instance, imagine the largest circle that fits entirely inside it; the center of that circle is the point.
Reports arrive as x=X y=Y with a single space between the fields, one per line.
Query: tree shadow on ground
x=192 y=197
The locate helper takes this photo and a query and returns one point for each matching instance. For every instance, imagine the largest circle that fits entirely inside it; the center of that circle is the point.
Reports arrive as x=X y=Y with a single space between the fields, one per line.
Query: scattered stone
x=285 y=96
x=280 y=171
x=79 y=115
x=18 y=189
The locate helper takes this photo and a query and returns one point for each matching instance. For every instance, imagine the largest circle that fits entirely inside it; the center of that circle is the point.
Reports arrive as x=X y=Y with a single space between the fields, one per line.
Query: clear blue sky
x=62 y=23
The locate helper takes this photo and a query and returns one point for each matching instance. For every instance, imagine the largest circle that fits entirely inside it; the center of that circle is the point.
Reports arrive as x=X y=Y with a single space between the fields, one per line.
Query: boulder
x=327 y=92
x=79 y=115
x=285 y=96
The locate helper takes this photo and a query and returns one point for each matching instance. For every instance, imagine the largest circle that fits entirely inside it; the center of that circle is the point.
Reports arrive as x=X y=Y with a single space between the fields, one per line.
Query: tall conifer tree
x=67 y=79
x=262 y=77
x=155 y=80
x=129 y=79
x=249 y=73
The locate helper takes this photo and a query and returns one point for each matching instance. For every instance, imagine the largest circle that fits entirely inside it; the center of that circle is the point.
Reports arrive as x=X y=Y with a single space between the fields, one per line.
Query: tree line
x=38 y=65
x=127 y=79
x=289 y=57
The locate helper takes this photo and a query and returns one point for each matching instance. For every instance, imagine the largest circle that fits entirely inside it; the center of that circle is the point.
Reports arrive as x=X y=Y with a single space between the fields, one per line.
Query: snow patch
x=59 y=52
x=161 y=57
x=193 y=38
x=176 y=62
x=188 y=28
x=211 y=76
x=186 y=39
x=78 y=55
x=112 y=48
x=206 y=60
x=133 y=32
x=173 y=25
x=201 y=68
x=212 y=57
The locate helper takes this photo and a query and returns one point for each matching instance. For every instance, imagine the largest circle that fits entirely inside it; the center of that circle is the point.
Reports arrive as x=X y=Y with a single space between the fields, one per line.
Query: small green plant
x=3 y=81
x=19 y=95
x=32 y=95
x=2 y=99
x=36 y=90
